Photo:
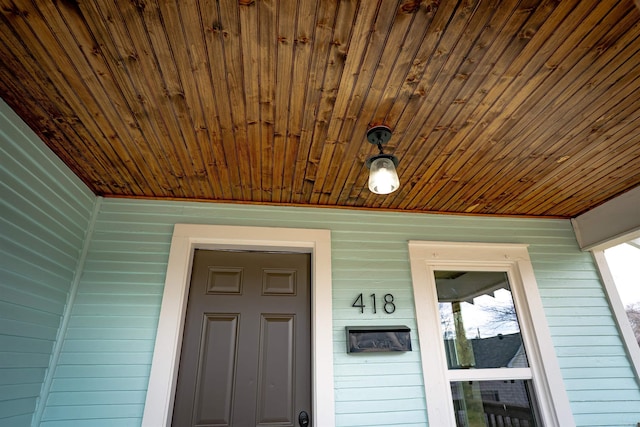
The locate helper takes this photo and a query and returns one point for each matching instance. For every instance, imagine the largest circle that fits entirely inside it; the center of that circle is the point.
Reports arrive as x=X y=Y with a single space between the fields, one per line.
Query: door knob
x=303 y=419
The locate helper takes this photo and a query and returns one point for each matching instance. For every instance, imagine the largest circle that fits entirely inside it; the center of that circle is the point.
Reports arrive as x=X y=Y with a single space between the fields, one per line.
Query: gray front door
x=245 y=357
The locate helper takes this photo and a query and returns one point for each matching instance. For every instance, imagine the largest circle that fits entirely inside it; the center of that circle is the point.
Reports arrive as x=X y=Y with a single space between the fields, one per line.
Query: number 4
x=361 y=305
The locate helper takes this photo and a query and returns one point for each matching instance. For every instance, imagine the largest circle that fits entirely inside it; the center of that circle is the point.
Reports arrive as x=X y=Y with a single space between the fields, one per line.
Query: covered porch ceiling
x=508 y=107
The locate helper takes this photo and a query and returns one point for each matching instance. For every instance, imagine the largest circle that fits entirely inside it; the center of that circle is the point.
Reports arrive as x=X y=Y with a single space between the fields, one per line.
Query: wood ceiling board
x=513 y=108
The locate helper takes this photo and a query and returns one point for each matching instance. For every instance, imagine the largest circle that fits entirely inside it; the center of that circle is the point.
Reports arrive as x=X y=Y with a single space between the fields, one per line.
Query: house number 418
x=387 y=303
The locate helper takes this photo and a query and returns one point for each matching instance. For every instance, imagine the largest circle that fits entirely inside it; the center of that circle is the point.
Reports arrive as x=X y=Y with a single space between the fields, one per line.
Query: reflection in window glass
x=493 y=403
x=478 y=318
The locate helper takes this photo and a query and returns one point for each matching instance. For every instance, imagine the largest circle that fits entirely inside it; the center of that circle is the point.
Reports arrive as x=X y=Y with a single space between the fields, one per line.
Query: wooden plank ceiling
x=497 y=107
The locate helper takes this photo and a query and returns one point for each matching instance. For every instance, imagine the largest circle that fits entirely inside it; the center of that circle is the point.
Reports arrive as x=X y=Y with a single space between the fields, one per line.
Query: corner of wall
x=41 y=403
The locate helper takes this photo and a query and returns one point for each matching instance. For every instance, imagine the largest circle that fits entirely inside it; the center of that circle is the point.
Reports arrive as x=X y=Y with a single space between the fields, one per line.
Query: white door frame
x=166 y=355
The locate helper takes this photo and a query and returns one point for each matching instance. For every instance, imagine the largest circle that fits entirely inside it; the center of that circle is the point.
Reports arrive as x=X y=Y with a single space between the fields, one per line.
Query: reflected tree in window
x=633 y=313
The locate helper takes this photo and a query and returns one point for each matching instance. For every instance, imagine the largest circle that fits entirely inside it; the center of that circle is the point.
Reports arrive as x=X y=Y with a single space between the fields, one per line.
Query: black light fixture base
x=391 y=157
x=379 y=135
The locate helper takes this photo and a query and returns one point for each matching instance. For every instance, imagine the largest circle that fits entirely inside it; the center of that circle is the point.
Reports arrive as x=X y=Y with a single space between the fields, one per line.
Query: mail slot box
x=369 y=339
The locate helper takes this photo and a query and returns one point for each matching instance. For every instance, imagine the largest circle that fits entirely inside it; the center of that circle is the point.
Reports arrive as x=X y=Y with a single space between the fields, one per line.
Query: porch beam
x=612 y=223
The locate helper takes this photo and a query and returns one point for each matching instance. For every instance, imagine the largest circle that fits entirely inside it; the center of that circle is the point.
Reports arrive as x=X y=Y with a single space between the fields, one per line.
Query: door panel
x=216 y=370
x=276 y=381
x=246 y=345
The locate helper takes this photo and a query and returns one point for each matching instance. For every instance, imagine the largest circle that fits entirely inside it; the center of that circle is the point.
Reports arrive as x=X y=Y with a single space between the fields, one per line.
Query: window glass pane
x=493 y=403
x=624 y=262
x=478 y=318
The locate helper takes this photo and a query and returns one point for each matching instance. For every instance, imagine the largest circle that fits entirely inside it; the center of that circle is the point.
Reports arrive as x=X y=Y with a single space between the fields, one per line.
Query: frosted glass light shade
x=383 y=178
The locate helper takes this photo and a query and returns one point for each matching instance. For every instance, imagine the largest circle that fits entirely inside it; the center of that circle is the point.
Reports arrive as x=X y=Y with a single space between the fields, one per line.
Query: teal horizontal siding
x=84 y=372
x=21 y=376
x=105 y=422
x=45 y=212
x=393 y=400
x=17 y=410
x=104 y=411
x=104 y=384
x=596 y=419
x=117 y=397
x=109 y=342
x=18 y=391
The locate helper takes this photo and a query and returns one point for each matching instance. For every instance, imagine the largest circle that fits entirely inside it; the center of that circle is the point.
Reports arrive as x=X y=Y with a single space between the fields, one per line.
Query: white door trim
x=166 y=355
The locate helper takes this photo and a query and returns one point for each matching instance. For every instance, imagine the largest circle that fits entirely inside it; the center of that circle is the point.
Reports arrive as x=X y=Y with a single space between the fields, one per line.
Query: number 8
x=388 y=301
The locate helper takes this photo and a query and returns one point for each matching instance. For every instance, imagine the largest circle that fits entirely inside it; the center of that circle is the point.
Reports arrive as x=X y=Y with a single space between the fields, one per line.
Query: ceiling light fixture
x=383 y=178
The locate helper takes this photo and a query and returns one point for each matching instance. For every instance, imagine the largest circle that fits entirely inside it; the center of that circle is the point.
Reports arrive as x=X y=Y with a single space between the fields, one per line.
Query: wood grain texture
x=519 y=107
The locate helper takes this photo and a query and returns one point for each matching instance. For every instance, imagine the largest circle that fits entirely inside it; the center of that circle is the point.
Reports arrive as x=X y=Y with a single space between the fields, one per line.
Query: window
x=480 y=331
x=486 y=350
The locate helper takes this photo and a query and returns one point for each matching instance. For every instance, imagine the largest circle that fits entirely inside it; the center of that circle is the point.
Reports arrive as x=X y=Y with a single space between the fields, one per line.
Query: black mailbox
x=362 y=339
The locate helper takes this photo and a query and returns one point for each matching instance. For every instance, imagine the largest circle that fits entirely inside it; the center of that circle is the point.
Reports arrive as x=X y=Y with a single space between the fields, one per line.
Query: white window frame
x=158 y=408
x=513 y=259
